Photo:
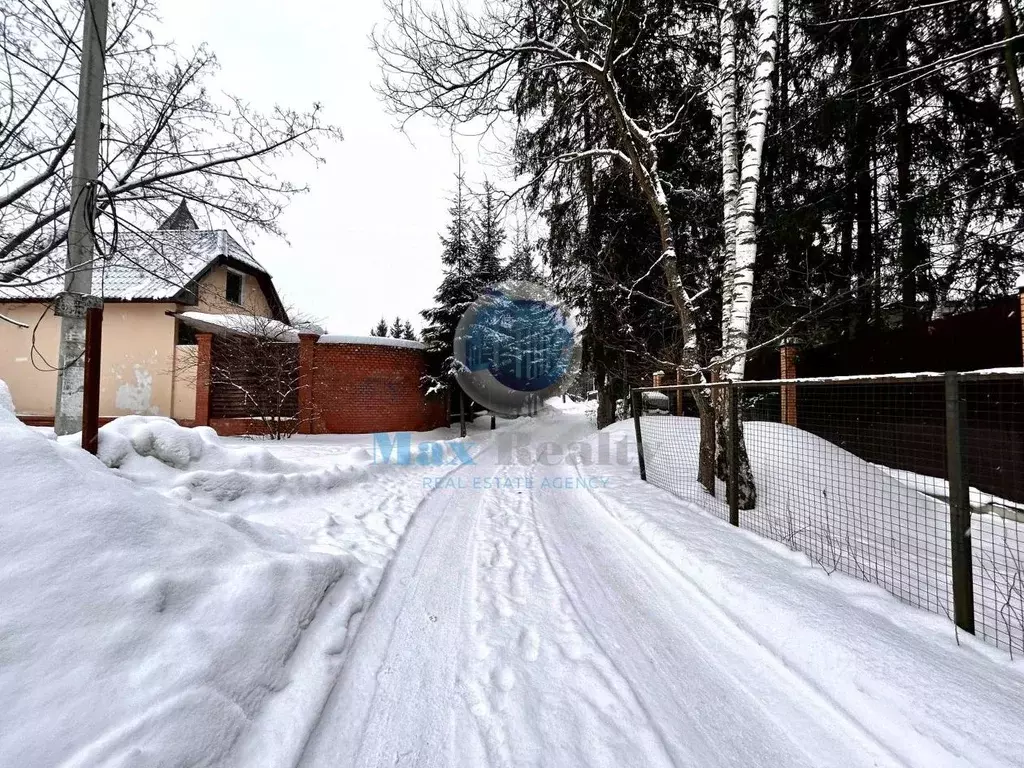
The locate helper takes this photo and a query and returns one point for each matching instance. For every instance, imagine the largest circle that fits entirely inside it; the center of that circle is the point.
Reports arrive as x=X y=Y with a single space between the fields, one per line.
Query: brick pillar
x=680 y=379
x=307 y=361
x=658 y=379
x=204 y=342
x=787 y=370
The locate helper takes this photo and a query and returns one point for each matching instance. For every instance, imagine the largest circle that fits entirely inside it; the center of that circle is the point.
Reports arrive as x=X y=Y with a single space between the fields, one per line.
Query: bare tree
x=165 y=136
x=454 y=64
x=254 y=371
x=458 y=65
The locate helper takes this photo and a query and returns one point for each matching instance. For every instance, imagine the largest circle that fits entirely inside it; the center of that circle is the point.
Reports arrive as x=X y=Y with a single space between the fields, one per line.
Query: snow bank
x=137 y=630
x=853 y=517
x=6 y=401
x=898 y=672
x=193 y=463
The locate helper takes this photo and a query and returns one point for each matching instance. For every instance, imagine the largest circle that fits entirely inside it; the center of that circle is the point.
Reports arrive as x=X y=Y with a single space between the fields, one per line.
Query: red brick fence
x=345 y=385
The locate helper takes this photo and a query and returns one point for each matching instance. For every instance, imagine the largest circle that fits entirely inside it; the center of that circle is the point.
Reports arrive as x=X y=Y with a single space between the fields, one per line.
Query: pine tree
x=488 y=235
x=381 y=329
x=395 y=331
x=520 y=264
x=458 y=289
x=407 y=331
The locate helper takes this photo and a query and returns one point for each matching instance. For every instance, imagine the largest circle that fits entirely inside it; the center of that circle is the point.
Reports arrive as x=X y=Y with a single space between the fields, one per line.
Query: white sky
x=364 y=240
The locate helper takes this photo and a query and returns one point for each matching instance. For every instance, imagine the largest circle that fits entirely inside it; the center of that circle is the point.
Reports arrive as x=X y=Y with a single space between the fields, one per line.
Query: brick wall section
x=787 y=370
x=343 y=389
x=371 y=388
x=237 y=427
x=204 y=343
x=307 y=365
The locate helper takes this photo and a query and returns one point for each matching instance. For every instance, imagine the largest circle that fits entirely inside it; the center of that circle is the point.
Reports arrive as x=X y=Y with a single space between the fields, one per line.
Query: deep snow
x=192 y=600
x=877 y=524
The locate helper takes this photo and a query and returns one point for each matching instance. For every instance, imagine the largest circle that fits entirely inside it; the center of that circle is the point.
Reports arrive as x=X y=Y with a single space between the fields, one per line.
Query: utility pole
x=72 y=304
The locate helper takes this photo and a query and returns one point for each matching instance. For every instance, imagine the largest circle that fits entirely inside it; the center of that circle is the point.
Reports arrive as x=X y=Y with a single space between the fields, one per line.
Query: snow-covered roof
x=249 y=325
x=380 y=341
x=1020 y=282
x=150 y=266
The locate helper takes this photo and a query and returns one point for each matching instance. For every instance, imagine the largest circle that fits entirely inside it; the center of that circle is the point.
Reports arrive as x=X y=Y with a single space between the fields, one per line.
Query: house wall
x=212 y=298
x=183 y=404
x=136 y=362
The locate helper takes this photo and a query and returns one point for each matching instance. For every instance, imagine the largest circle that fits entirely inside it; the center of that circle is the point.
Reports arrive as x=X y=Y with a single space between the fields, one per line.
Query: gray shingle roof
x=151 y=266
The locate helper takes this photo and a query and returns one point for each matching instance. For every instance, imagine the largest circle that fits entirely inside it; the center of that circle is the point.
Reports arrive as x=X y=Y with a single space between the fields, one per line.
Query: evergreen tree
x=486 y=239
x=381 y=329
x=520 y=264
x=458 y=289
x=395 y=331
x=407 y=331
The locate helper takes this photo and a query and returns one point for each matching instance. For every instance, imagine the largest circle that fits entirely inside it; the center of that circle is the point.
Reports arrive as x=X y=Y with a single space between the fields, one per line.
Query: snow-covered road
x=524 y=623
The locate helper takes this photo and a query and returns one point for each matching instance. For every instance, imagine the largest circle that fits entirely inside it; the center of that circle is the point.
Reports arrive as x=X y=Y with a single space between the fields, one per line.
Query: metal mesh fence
x=857 y=475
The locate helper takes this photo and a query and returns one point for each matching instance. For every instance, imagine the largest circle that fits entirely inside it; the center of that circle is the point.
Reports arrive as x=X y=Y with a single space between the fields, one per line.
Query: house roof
x=246 y=325
x=151 y=266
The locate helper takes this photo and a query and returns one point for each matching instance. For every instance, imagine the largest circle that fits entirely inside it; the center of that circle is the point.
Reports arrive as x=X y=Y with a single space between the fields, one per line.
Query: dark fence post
x=787 y=370
x=637 y=407
x=91 y=395
x=733 y=455
x=959 y=511
x=462 y=415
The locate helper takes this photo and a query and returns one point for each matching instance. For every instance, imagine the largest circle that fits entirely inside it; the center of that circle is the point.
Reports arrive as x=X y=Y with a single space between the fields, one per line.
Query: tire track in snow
x=607 y=572
x=750 y=632
x=541 y=691
x=421 y=525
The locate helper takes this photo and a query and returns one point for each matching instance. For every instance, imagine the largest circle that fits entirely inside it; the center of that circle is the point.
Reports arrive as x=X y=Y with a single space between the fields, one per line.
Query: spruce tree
x=488 y=235
x=395 y=331
x=458 y=289
x=381 y=329
x=520 y=264
x=407 y=331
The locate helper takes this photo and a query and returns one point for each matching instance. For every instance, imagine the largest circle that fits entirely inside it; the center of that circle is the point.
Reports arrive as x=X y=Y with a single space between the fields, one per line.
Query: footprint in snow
x=529 y=644
x=504 y=678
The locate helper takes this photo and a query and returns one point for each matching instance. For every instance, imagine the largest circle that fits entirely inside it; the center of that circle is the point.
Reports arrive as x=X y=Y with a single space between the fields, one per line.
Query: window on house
x=233 y=292
x=186 y=334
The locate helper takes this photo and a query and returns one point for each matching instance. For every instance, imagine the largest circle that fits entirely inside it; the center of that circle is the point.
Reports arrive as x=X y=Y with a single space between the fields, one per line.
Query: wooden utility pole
x=72 y=304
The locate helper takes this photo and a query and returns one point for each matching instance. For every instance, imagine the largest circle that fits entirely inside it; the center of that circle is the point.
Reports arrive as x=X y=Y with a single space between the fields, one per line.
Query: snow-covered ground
x=232 y=602
x=881 y=525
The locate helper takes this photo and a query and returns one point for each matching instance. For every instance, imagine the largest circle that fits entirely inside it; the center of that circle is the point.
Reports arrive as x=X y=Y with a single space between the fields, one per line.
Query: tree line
x=472 y=257
x=399 y=329
x=716 y=178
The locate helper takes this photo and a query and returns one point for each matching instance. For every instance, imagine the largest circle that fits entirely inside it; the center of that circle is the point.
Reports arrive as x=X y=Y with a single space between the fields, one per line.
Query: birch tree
x=741 y=179
x=741 y=175
x=458 y=65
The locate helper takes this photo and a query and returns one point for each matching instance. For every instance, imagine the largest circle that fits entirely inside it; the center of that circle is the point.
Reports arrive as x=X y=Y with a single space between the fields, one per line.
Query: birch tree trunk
x=741 y=286
x=740 y=225
x=730 y=155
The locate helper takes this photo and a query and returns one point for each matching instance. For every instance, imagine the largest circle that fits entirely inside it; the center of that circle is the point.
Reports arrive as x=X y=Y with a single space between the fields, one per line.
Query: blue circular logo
x=516 y=346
